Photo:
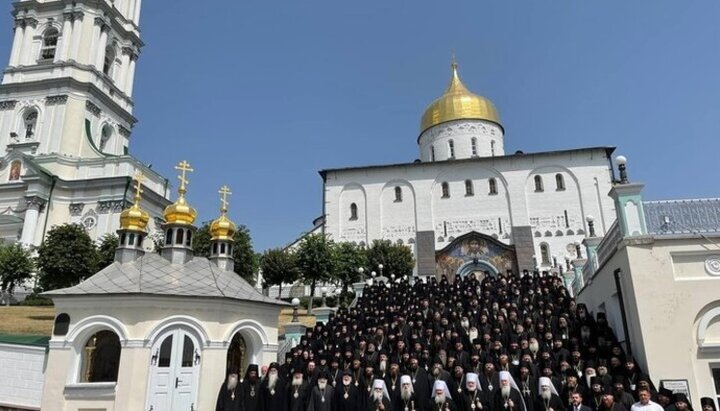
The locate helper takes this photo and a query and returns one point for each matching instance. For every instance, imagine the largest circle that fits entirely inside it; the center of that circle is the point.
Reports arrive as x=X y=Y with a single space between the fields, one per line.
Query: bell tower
x=67 y=89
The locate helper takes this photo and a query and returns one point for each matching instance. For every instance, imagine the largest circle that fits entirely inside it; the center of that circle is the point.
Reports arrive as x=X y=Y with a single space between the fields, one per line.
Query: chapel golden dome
x=135 y=218
x=458 y=103
x=180 y=212
x=222 y=228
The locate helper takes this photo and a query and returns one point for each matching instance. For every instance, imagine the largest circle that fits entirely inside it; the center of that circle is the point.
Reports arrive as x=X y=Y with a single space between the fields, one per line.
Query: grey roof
x=673 y=217
x=153 y=274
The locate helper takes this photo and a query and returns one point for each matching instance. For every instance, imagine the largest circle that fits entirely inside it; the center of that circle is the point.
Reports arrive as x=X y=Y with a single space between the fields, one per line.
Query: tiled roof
x=153 y=274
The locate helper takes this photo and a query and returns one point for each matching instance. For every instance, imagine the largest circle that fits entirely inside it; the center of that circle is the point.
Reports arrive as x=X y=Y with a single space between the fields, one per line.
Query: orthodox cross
x=139 y=178
x=224 y=193
x=184 y=168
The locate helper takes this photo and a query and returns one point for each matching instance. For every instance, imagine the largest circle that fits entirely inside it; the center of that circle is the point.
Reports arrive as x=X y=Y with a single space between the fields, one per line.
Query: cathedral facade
x=66 y=119
x=465 y=204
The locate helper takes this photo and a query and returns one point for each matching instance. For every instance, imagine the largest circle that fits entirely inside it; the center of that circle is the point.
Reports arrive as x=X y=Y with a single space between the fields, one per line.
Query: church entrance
x=475 y=253
x=237 y=355
x=174 y=372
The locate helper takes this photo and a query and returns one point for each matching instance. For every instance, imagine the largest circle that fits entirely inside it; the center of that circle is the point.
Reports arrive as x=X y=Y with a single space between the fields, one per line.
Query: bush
x=36 y=300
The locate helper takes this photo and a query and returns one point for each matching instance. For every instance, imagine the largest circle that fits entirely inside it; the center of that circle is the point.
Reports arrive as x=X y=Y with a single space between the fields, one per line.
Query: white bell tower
x=68 y=86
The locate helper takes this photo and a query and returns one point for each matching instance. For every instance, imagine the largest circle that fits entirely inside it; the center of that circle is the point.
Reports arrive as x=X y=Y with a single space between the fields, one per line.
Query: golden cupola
x=180 y=212
x=458 y=103
x=222 y=228
x=135 y=218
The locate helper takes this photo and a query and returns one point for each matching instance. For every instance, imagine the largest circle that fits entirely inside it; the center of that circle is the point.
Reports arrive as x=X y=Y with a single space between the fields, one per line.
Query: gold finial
x=139 y=177
x=224 y=193
x=184 y=168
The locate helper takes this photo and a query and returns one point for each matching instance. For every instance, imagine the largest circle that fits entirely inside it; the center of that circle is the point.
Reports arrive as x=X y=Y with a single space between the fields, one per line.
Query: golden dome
x=223 y=228
x=458 y=103
x=180 y=212
x=135 y=218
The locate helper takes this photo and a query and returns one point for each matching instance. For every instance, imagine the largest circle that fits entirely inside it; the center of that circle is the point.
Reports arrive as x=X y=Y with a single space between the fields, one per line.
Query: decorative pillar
x=131 y=75
x=32 y=213
x=102 y=45
x=18 y=41
x=25 y=56
x=77 y=34
x=137 y=12
x=628 y=202
x=125 y=57
x=66 y=36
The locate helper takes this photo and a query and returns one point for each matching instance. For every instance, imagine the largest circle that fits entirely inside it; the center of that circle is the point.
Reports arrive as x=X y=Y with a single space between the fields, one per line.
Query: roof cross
x=184 y=168
x=224 y=193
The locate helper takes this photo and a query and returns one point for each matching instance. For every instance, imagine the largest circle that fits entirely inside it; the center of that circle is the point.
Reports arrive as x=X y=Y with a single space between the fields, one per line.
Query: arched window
x=353 y=211
x=445 y=190
x=188 y=240
x=30 y=124
x=451 y=148
x=469 y=191
x=15 y=170
x=179 y=237
x=398 y=194
x=538 y=184
x=49 y=44
x=473 y=146
x=105 y=135
x=109 y=61
x=101 y=357
x=492 y=148
x=432 y=153
x=62 y=322
x=492 y=186
x=559 y=182
x=544 y=254
x=168 y=237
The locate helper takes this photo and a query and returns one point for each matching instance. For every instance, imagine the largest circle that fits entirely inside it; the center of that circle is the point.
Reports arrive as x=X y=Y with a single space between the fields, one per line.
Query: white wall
x=22 y=379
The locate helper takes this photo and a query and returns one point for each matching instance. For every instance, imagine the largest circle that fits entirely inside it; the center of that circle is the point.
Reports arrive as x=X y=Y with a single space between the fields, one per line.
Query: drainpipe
x=618 y=287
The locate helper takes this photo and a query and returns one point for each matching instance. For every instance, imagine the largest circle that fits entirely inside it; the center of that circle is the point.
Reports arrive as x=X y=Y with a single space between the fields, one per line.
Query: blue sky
x=260 y=95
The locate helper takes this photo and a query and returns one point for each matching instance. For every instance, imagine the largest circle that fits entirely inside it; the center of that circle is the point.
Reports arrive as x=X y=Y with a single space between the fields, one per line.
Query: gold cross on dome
x=224 y=193
x=139 y=177
x=453 y=60
x=184 y=168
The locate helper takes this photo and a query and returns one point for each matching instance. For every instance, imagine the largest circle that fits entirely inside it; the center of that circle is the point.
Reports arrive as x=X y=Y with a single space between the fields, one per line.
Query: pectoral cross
x=224 y=193
x=184 y=168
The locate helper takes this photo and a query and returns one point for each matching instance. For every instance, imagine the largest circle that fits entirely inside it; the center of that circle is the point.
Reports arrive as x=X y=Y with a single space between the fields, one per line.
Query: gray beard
x=377 y=396
x=322 y=385
x=272 y=380
x=231 y=384
x=296 y=382
x=546 y=395
x=383 y=365
x=534 y=348
x=505 y=391
x=405 y=395
x=439 y=399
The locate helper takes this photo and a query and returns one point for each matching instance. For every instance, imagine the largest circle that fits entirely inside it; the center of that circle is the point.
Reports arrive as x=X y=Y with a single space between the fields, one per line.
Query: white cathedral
x=467 y=206
x=66 y=119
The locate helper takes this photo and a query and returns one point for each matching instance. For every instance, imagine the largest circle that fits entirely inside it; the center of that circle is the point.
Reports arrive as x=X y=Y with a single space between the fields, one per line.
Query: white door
x=174 y=371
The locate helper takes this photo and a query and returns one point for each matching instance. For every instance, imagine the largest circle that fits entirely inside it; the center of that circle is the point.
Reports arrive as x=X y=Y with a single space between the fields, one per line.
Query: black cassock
x=448 y=405
x=555 y=403
x=421 y=386
x=297 y=397
x=275 y=398
x=409 y=405
x=478 y=397
x=347 y=398
x=500 y=404
x=250 y=395
x=373 y=405
x=321 y=400
x=229 y=400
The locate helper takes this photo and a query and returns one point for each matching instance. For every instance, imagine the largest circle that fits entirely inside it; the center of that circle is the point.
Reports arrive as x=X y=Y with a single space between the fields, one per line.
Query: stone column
x=124 y=67
x=25 y=56
x=32 y=214
x=77 y=34
x=18 y=41
x=131 y=75
x=66 y=36
x=100 y=52
x=137 y=12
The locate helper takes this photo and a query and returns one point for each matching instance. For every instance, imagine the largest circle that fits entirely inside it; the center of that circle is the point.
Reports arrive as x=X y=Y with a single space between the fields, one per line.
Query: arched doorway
x=237 y=354
x=480 y=268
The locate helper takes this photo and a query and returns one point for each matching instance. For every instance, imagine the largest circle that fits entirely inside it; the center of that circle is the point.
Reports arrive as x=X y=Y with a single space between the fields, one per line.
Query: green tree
x=246 y=262
x=315 y=261
x=16 y=266
x=106 y=251
x=278 y=266
x=348 y=258
x=66 y=257
x=396 y=259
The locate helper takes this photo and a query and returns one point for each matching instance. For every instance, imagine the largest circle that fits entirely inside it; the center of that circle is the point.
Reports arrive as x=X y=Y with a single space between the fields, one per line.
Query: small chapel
x=158 y=331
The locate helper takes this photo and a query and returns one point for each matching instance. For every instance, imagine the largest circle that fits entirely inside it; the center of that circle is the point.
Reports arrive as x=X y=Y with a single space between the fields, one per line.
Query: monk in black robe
x=272 y=390
x=347 y=395
x=379 y=397
x=548 y=398
x=442 y=399
x=297 y=392
x=250 y=389
x=421 y=383
x=507 y=397
x=474 y=398
x=321 y=396
x=229 y=398
x=407 y=400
